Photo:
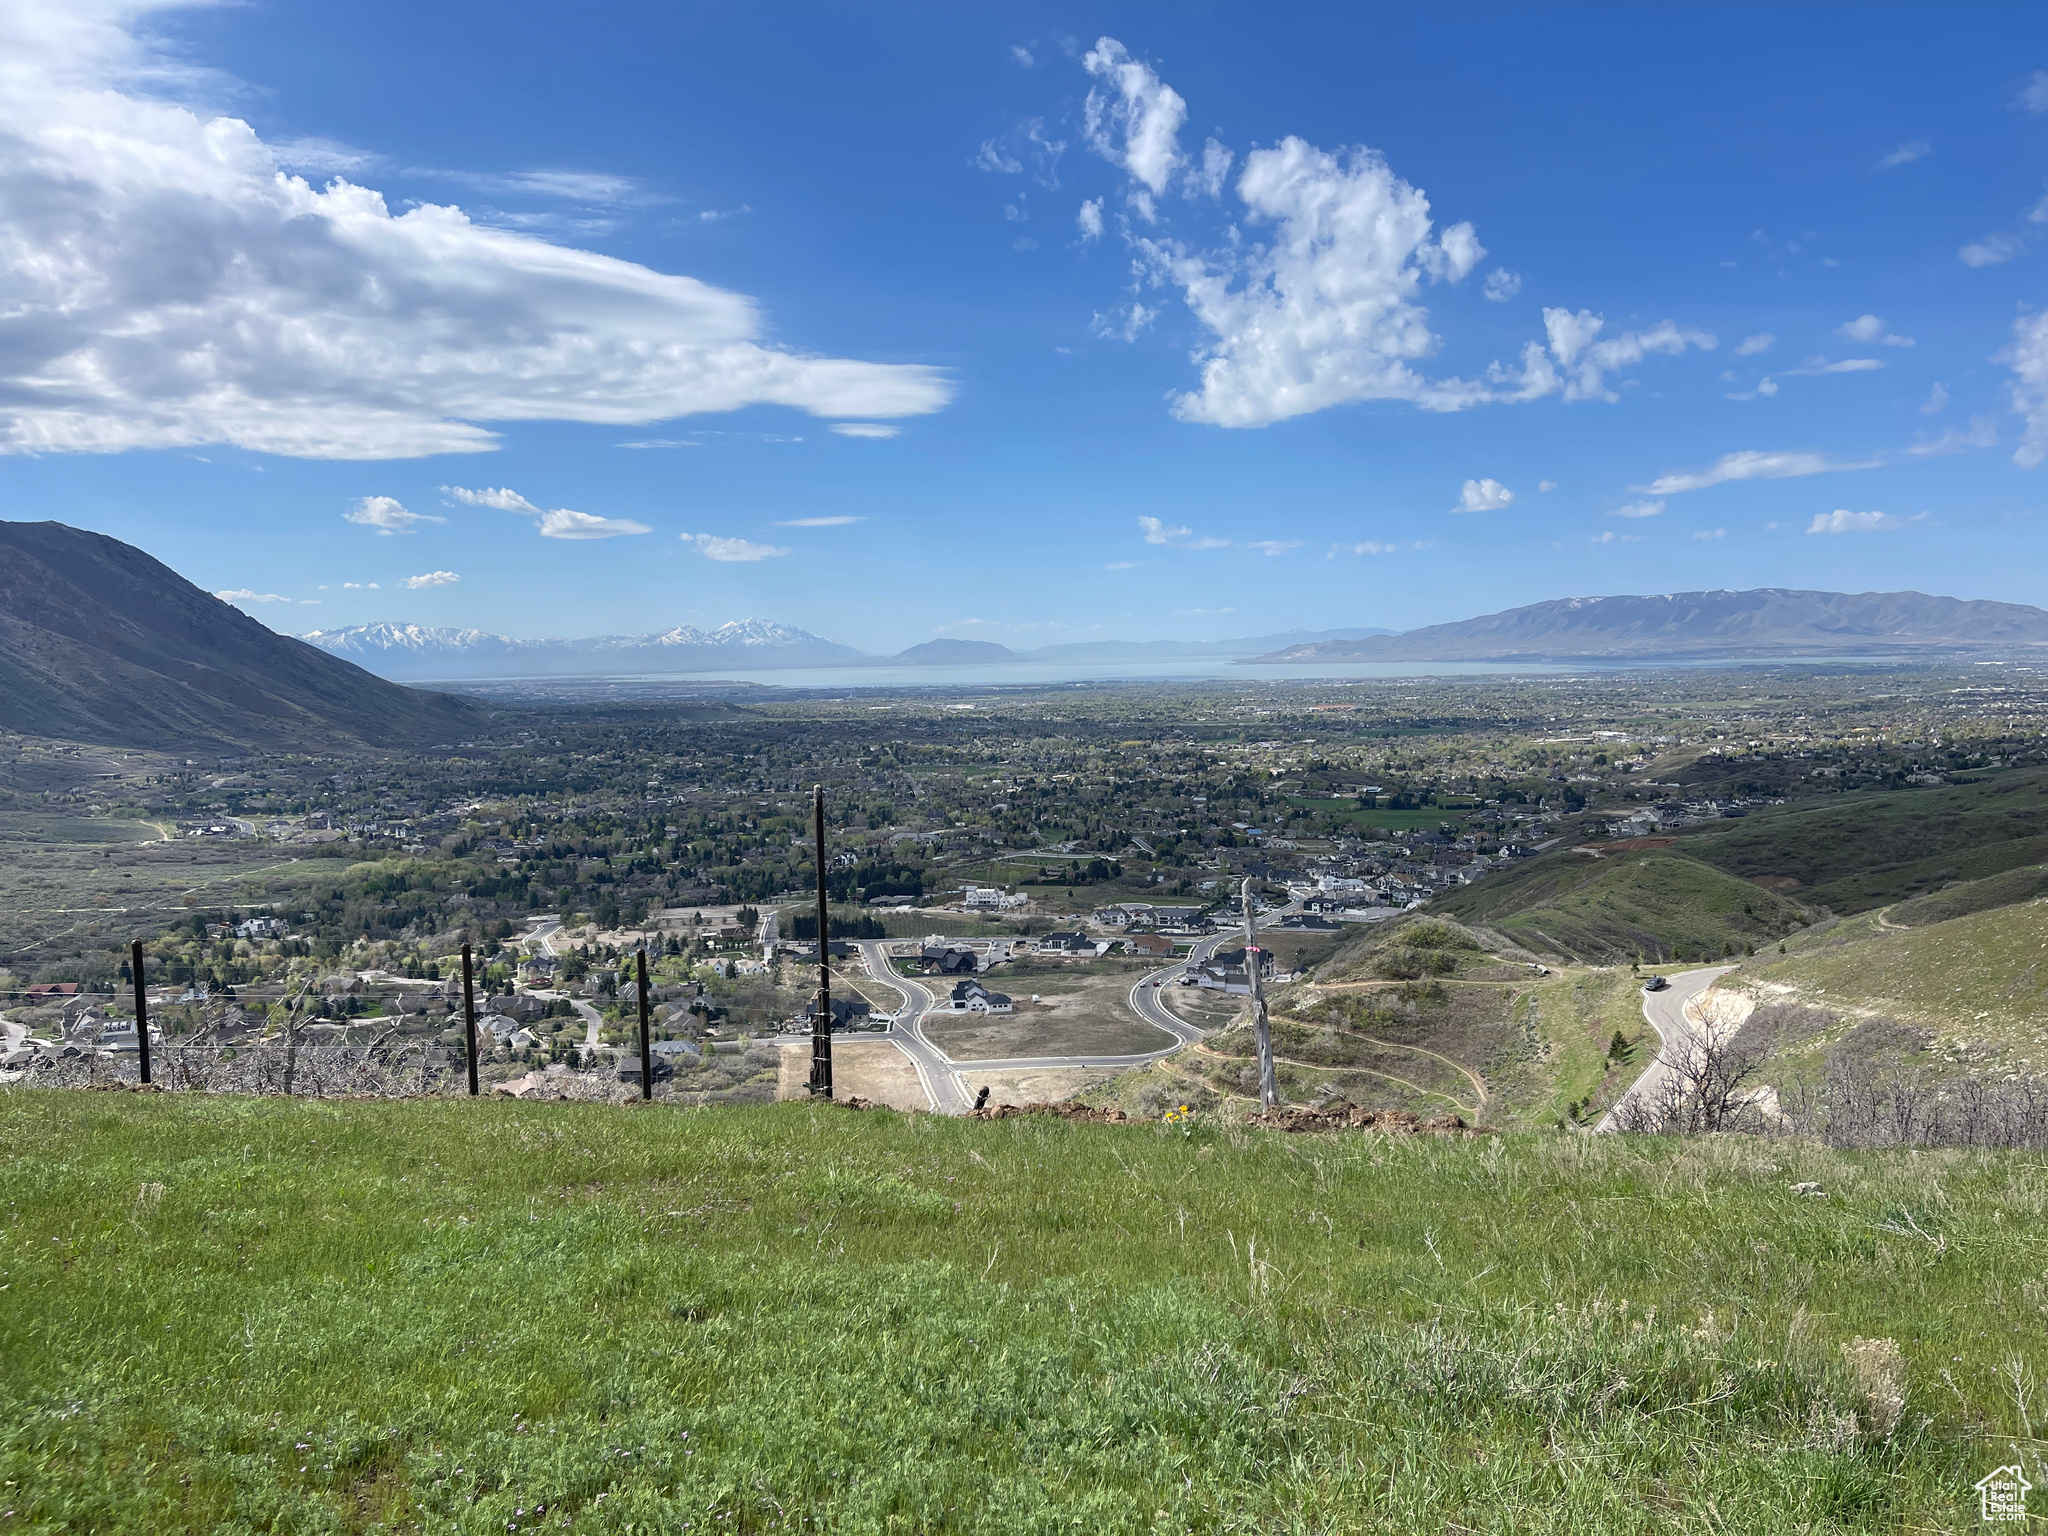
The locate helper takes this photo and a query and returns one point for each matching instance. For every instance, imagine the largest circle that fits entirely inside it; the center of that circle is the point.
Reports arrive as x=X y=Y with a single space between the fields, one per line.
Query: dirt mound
x=1081 y=1113
x=1350 y=1117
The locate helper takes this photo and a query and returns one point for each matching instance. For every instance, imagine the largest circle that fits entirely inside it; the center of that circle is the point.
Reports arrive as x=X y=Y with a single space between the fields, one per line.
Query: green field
x=1622 y=907
x=266 y=1315
x=1429 y=817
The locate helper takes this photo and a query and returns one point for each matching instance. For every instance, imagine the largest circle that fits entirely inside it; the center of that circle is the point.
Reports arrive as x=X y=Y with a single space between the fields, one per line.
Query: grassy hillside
x=304 y=1316
x=1859 y=851
x=1657 y=905
x=1982 y=977
x=2027 y=883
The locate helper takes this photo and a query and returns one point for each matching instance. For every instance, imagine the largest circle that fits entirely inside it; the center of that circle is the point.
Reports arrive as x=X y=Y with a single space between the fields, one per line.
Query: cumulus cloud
x=1133 y=118
x=1868 y=328
x=1749 y=464
x=871 y=429
x=1905 y=154
x=387 y=515
x=1638 y=509
x=2027 y=357
x=2033 y=96
x=1502 y=285
x=1840 y=521
x=560 y=523
x=1936 y=401
x=1158 y=532
x=1577 y=364
x=1089 y=219
x=1324 y=313
x=1487 y=495
x=1994 y=249
x=432 y=579
x=244 y=595
x=712 y=547
x=1206 y=179
x=170 y=284
x=1750 y=346
x=819 y=522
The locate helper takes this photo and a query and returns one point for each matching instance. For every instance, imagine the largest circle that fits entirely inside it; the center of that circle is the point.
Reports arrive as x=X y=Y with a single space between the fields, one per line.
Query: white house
x=973 y=997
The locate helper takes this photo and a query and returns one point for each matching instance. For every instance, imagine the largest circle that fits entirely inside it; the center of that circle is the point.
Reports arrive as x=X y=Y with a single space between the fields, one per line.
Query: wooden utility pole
x=1262 y=1030
x=469 y=1019
x=646 y=1046
x=821 y=1020
x=141 y=1009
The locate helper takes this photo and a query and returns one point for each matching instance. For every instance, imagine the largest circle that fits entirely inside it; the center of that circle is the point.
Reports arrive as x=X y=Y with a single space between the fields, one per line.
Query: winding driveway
x=1669 y=1013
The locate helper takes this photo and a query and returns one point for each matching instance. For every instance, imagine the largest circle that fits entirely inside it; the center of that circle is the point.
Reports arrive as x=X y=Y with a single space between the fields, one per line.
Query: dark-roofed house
x=973 y=997
x=847 y=1012
x=949 y=961
x=1068 y=944
x=1155 y=944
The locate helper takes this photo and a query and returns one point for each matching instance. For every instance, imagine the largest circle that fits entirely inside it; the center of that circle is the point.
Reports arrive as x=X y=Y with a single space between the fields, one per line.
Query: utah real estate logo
x=2002 y=1494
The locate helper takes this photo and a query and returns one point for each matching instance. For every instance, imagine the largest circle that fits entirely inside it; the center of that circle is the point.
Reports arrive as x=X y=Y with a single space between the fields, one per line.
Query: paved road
x=1666 y=1011
x=935 y=1070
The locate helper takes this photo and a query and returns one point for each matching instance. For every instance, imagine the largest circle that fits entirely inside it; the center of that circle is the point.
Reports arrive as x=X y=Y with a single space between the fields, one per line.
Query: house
x=1155 y=944
x=949 y=961
x=989 y=898
x=52 y=991
x=1071 y=944
x=1129 y=914
x=973 y=997
x=847 y=1012
x=261 y=928
x=1303 y=922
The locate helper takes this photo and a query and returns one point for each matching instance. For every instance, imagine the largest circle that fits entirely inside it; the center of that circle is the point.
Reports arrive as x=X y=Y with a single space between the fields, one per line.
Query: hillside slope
x=1651 y=906
x=1863 y=850
x=1770 y=621
x=101 y=643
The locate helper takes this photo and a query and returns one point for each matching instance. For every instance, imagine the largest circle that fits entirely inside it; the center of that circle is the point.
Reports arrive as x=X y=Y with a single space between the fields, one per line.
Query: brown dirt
x=1388 y=1122
x=871 y=1070
x=1077 y=1112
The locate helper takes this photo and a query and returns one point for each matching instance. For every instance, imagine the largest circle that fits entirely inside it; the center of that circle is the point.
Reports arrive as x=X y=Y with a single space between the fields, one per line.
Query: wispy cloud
x=1905 y=154
x=731 y=551
x=874 y=429
x=387 y=515
x=1273 y=546
x=432 y=579
x=1750 y=346
x=1868 y=328
x=1750 y=464
x=1638 y=509
x=244 y=595
x=1711 y=533
x=560 y=523
x=1158 y=532
x=1817 y=366
x=1840 y=521
x=1609 y=536
x=819 y=522
x=1979 y=434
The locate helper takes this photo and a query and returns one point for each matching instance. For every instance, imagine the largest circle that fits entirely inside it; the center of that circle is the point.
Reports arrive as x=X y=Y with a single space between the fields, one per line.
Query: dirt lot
x=1083 y=1010
x=1047 y=1085
x=868 y=1069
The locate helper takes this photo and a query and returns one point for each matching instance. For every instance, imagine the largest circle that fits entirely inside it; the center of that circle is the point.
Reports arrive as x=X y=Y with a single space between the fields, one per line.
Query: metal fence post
x=646 y=1048
x=141 y=1009
x=821 y=1021
x=1262 y=1029
x=469 y=1019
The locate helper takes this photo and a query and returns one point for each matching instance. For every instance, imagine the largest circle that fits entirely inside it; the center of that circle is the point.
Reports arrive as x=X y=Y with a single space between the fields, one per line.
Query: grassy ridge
x=1864 y=850
x=267 y=1315
x=1623 y=906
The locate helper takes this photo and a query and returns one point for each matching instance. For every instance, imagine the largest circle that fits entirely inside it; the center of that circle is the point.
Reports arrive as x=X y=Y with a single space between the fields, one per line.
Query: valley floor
x=315 y=1315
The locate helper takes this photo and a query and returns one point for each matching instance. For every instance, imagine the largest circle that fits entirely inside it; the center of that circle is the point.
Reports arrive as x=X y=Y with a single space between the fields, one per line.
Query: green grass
x=1430 y=817
x=1863 y=850
x=301 y=1316
x=1655 y=905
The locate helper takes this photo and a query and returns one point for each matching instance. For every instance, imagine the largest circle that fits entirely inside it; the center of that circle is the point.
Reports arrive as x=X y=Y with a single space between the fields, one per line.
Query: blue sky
x=1029 y=323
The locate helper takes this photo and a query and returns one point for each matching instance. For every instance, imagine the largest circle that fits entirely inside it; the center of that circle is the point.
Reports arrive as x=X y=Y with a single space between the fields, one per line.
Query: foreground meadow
x=298 y=1316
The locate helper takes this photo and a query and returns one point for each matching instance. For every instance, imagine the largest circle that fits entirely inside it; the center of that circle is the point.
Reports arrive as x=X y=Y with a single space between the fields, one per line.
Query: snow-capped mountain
x=419 y=652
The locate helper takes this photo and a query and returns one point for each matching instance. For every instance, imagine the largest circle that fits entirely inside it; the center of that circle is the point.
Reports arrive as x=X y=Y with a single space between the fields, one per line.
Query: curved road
x=935 y=1070
x=1666 y=1012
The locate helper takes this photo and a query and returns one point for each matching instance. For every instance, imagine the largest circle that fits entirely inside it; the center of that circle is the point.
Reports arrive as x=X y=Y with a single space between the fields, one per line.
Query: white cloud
x=1638 y=509
x=170 y=285
x=244 y=595
x=1273 y=546
x=1765 y=386
x=1022 y=55
x=1815 y=367
x=1906 y=154
x=2027 y=357
x=1980 y=434
x=1585 y=362
x=1502 y=285
x=432 y=579
x=1852 y=522
x=994 y=158
x=1749 y=464
x=819 y=522
x=560 y=523
x=1089 y=219
x=1363 y=547
x=1137 y=127
x=713 y=547
x=1936 y=401
x=387 y=515
x=2033 y=96
x=869 y=429
x=1206 y=179
x=1750 y=346
x=1121 y=565
x=1325 y=312
x=1487 y=495
x=1546 y=485
x=720 y=215
x=1711 y=533
x=1994 y=249
x=1868 y=328
x=1157 y=532
x=1127 y=327
x=1609 y=536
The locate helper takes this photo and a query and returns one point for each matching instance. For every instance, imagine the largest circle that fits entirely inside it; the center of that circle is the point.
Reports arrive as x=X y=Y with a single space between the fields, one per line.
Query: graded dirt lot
x=869 y=1069
x=1038 y=1085
x=1083 y=1010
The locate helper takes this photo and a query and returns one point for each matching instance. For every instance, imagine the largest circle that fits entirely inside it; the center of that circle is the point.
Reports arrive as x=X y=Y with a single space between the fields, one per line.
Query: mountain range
x=1701 y=626
x=101 y=643
x=413 y=651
